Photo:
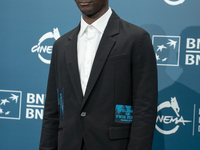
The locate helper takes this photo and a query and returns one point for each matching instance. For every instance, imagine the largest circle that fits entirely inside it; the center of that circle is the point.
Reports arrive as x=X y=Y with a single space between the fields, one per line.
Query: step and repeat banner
x=29 y=29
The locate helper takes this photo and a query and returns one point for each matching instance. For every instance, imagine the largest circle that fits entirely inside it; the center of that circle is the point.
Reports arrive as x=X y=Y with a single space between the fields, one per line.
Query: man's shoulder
x=64 y=38
x=132 y=29
x=127 y=27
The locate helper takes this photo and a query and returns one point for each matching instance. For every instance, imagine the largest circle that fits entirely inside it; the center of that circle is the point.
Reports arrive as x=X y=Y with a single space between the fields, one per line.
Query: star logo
x=160 y=47
x=14 y=97
x=167 y=49
x=1 y=110
x=4 y=101
x=10 y=104
x=7 y=113
x=164 y=59
x=172 y=43
x=157 y=57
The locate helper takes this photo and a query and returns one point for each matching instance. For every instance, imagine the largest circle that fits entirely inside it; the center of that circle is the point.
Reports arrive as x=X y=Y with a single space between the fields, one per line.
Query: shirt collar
x=100 y=24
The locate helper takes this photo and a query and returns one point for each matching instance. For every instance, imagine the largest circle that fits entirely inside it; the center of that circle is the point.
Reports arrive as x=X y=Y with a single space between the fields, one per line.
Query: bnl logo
x=10 y=104
x=167 y=49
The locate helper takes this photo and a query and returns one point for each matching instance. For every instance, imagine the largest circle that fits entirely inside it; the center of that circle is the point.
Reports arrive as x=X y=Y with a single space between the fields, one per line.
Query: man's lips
x=84 y=3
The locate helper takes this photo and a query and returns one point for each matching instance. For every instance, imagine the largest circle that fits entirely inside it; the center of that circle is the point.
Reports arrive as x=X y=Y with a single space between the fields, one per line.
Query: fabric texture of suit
x=124 y=72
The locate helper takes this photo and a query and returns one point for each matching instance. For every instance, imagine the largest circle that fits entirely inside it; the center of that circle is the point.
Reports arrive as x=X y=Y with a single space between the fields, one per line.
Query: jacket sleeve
x=48 y=140
x=145 y=93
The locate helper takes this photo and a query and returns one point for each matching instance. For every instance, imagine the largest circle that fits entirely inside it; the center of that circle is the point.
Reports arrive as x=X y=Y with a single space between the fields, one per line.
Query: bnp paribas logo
x=10 y=104
x=167 y=49
x=174 y=2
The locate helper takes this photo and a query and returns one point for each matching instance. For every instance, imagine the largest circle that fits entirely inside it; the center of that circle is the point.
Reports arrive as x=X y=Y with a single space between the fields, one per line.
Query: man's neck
x=93 y=18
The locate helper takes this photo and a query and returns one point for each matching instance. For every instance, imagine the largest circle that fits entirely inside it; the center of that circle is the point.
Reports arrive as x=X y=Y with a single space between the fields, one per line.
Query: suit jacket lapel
x=72 y=63
x=105 y=46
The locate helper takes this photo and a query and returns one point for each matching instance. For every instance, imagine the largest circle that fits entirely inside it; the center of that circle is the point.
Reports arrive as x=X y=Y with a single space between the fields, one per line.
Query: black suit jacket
x=124 y=73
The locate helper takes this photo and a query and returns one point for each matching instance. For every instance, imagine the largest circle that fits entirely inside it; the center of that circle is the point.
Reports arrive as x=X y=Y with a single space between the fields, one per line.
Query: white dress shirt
x=89 y=38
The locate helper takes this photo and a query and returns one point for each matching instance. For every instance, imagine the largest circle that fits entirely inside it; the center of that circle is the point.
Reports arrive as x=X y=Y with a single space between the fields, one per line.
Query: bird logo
x=10 y=104
x=14 y=97
x=167 y=49
x=4 y=101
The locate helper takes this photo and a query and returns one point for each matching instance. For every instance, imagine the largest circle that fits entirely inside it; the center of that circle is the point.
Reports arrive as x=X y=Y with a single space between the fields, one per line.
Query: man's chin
x=88 y=13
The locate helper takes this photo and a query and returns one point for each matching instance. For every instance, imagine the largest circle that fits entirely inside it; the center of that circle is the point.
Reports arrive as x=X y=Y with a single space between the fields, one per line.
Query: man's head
x=92 y=8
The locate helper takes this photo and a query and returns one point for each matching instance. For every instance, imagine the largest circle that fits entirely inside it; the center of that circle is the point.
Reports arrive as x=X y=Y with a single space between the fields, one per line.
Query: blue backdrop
x=28 y=30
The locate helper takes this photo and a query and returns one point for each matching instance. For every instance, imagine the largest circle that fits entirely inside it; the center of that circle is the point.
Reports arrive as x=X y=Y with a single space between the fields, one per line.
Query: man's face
x=92 y=7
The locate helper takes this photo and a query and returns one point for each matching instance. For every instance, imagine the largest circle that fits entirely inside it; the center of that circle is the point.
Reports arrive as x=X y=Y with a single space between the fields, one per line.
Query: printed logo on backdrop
x=10 y=104
x=35 y=106
x=192 y=51
x=44 y=46
x=174 y=2
x=167 y=49
x=171 y=119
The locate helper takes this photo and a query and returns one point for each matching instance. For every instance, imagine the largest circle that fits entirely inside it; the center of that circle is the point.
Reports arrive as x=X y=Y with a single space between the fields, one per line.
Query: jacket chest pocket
x=117 y=57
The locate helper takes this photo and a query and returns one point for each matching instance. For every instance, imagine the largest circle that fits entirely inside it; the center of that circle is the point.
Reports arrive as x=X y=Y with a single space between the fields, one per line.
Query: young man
x=102 y=86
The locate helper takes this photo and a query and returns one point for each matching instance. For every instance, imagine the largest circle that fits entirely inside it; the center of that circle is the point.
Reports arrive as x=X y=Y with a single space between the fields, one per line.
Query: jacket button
x=83 y=114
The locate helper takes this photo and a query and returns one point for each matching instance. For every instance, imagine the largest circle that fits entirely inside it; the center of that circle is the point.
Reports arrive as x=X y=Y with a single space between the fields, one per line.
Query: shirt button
x=83 y=114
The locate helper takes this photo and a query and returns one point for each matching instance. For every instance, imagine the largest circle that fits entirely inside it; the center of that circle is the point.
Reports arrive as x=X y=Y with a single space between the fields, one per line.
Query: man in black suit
x=102 y=86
